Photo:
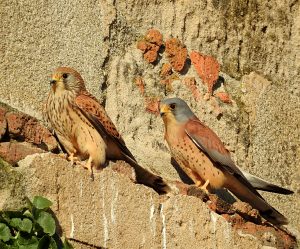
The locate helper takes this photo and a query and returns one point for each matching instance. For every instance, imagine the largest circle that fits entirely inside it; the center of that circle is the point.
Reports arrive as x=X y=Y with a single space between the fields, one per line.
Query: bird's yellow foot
x=89 y=167
x=204 y=186
x=63 y=155
x=73 y=159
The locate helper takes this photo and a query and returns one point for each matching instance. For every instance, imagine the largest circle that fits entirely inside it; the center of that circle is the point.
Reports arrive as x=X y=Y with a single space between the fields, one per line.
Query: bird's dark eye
x=172 y=106
x=65 y=75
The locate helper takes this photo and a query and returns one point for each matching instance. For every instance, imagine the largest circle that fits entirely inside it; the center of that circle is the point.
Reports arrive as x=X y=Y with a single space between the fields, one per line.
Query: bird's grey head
x=175 y=107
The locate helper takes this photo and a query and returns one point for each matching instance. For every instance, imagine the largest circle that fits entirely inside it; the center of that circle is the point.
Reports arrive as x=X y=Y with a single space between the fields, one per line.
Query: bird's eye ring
x=172 y=106
x=65 y=75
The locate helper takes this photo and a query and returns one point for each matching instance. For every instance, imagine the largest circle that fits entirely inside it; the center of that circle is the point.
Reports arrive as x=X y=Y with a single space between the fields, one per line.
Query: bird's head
x=175 y=109
x=66 y=79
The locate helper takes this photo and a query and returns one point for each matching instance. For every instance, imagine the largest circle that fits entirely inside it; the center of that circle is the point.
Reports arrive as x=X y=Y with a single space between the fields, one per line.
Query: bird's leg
x=204 y=186
x=72 y=158
x=89 y=166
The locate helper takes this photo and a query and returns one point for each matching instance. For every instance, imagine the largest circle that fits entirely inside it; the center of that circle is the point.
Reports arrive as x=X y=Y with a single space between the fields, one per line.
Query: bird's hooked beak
x=52 y=82
x=54 y=79
x=163 y=109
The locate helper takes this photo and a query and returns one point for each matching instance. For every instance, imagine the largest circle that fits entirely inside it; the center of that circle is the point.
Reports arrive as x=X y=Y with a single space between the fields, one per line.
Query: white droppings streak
x=239 y=232
x=152 y=209
x=164 y=234
x=151 y=218
x=191 y=227
x=105 y=222
x=72 y=227
x=214 y=218
x=113 y=202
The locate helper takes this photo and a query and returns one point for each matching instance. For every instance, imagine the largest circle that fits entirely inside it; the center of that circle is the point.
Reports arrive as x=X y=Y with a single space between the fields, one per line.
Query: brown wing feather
x=97 y=115
x=90 y=105
x=208 y=141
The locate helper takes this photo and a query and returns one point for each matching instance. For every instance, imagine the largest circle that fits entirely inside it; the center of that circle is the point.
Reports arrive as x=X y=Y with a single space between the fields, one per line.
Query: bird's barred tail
x=147 y=178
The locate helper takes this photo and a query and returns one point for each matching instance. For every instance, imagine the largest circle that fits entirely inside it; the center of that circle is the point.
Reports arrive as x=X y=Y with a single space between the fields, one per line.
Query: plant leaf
x=41 y=203
x=67 y=245
x=5 y=234
x=15 y=222
x=46 y=221
x=27 y=240
x=44 y=242
x=24 y=225
x=53 y=244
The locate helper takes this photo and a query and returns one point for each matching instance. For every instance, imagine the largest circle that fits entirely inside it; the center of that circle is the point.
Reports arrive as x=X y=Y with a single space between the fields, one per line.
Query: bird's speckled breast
x=196 y=164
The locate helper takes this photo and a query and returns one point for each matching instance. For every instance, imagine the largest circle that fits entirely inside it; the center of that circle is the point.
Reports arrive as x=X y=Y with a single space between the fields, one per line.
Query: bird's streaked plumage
x=85 y=130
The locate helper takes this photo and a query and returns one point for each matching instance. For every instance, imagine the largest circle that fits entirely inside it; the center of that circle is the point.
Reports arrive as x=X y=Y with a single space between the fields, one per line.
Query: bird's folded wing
x=96 y=114
x=208 y=142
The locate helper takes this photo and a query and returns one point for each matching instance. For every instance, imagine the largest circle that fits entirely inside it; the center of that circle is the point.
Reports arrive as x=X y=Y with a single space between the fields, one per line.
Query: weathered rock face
x=113 y=212
x=99 y=39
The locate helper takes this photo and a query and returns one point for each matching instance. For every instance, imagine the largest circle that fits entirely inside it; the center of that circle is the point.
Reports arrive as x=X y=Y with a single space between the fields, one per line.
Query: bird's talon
x=204 y=186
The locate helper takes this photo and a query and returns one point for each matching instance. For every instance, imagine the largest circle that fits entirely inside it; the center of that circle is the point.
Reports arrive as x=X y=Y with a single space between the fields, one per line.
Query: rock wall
x=255 y=42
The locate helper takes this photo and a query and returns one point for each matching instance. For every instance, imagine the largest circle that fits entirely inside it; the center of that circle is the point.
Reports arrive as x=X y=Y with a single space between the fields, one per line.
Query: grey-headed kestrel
x=84 y=129
x=204 y=158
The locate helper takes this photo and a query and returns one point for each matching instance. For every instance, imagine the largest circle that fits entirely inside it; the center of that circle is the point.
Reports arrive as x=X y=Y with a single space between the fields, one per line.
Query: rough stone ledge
x=113 y=212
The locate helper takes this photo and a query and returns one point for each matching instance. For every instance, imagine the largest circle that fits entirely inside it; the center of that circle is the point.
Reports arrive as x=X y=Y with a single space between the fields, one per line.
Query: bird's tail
x=261 y=184
x=147 y=178
x=248 y=194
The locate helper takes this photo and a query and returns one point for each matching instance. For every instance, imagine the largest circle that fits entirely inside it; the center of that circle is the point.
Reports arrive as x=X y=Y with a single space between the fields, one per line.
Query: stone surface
x=26 y=128
x=12 y=151
x=3 y=123
x=118 y=213
x=99 y=40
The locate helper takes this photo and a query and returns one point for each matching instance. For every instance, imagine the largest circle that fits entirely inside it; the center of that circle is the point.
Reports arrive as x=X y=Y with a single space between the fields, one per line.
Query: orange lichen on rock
x=190 y=82
x=224 y=97
x=207 y=67
x=177 y=53
x=150 y=45
x=166 y=70
x=154 y=36
x=140 y=84
x=152 y=105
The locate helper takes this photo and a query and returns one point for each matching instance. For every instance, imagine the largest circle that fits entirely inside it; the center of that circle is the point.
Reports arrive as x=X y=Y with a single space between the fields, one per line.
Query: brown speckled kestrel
x=204 y=158
x=85 y=130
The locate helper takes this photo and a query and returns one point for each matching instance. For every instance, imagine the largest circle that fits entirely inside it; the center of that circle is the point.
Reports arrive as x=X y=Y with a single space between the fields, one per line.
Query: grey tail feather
x=143 y=176
x=275 y=189
x=261 y=184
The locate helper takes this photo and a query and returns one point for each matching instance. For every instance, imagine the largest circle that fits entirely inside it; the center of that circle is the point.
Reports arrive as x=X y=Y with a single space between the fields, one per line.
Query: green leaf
x=41 y=203
x=44 y=242
x=46 y=221
x=30 y=246
x=67 y=245
x=5 y=234
x=27 y=240
x=15 y=222
x=53 y=244
x=28 y=214
x=24 y=225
